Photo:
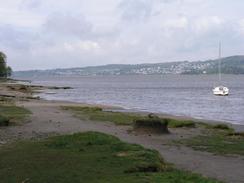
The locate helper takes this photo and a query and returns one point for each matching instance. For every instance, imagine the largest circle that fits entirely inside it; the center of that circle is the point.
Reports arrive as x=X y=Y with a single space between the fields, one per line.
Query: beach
x=177 y=95
x=49 y=119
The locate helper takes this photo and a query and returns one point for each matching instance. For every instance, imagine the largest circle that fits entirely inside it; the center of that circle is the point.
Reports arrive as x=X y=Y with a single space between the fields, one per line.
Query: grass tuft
x=4 y=121
x=173 y=123
x=87 y=157
x=97 y=114
x=11 y=113
x=221 y=127
x=217 y=143
x=119 y=118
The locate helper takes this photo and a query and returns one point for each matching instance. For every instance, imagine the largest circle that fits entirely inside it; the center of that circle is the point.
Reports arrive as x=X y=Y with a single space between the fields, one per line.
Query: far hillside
x=229 y=65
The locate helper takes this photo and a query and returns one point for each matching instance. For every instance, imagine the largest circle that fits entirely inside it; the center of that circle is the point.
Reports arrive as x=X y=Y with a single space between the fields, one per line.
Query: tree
x=9 y=71
x=5 y=71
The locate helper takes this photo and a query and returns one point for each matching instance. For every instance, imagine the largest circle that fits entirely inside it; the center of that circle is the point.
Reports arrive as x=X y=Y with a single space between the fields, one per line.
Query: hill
x=229 y=65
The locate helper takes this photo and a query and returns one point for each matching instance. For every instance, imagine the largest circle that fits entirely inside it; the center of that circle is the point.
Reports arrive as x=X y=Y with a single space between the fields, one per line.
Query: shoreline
x=48 y=119
x=236 y=127
x=37 y=89
x=238 y=124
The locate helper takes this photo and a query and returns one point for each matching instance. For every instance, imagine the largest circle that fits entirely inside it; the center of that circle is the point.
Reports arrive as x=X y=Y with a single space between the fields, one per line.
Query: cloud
x=241 y=26
x=135 y=10
x=14 y=38
x=175 y=23
x=81 y=46
x=75 y=33
x=205 y=24
x=66 y=24
x=30 y=4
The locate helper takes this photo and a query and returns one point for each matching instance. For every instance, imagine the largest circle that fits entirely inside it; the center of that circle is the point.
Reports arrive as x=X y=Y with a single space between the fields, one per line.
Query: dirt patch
x=151 y=125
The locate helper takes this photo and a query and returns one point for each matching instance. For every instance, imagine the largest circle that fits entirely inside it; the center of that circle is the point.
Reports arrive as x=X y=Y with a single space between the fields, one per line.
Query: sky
x=45 y=34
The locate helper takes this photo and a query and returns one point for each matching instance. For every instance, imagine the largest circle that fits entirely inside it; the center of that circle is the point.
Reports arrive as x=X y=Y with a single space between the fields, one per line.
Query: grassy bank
x=215 y=138
x=218 y=141
x=119 y=118
x=97 y=114
x=11 y=114
x=87 y=157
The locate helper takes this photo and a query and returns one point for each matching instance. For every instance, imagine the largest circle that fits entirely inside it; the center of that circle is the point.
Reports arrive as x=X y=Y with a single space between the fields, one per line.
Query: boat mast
x=220 y=77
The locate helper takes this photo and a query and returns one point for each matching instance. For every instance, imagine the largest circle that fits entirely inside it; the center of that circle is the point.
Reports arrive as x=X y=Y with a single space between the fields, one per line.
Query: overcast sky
x=41 y=34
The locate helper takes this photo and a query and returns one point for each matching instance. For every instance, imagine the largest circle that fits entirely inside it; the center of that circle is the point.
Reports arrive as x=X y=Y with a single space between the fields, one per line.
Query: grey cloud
x=135 y=10
x=30 y=4
x=68 y=25
x=170 y=1
x=141 y=10
x=127 y=31
x=15 y=38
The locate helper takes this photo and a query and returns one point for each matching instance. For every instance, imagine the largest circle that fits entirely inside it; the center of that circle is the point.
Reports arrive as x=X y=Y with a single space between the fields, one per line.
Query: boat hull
x=221 y=94
x=221 y=91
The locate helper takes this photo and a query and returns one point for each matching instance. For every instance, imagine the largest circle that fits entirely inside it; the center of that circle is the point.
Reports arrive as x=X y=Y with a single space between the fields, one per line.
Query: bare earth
x=49 y=119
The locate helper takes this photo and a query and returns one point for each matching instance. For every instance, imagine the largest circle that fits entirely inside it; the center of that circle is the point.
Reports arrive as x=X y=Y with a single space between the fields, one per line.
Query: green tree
x=9 y=71
x=5 y=71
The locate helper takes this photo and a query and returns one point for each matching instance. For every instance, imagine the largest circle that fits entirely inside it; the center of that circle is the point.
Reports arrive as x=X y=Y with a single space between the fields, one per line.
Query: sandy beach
x=48 y=119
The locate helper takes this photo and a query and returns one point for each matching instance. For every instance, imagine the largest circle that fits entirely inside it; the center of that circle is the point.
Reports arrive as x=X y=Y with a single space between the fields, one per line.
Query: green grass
x=4 y=121
x=87 y=157
x=5 y=100
x=13 y=113
x=119 y=118
x=217 y=142
x=216 y=126
x=173 y=123
x=97 y=114
x=221 y=126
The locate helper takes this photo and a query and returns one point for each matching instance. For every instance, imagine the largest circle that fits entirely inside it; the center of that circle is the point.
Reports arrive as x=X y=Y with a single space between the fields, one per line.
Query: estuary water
x=181 y=95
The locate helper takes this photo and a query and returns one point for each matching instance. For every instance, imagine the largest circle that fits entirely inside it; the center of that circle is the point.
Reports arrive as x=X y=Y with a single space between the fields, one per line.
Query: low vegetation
x=120 y=118
x=87 y=157
x=97 y=114
x=173 y=123
x=12 y=113
x=215 y=138
x=220 y=127
x=5 y=71
x=4 y=121
x=216 y=126
x=5 y=100
x=219 y=141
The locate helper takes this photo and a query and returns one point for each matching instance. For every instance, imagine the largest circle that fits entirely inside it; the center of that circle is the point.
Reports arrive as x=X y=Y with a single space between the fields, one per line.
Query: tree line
x=5 y=71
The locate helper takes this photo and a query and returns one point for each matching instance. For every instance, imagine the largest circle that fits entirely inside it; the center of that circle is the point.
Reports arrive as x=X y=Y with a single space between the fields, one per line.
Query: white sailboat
x=220 y=90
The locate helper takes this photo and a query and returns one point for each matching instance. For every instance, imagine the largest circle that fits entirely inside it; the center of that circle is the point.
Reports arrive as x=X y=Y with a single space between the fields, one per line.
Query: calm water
x=182 y=95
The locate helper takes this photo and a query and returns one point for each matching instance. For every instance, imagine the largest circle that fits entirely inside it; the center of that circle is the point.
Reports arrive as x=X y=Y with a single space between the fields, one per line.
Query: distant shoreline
x=230 y=65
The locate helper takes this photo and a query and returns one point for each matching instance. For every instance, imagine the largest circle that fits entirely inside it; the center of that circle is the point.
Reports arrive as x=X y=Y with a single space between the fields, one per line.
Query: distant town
x=229 y=65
